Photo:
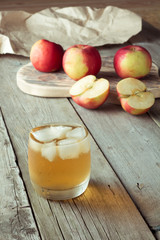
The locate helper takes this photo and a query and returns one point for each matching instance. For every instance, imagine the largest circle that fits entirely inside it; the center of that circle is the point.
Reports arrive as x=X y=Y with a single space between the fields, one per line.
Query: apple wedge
x=90 y=92
x=134 y=97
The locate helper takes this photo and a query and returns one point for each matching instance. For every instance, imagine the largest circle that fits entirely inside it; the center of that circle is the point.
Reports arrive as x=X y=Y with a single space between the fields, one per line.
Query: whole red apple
x=81 y=60
x=132 y=61
x=46 y=56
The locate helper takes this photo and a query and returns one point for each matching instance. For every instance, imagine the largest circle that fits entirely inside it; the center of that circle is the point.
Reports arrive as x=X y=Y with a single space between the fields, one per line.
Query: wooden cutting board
x=57 y=84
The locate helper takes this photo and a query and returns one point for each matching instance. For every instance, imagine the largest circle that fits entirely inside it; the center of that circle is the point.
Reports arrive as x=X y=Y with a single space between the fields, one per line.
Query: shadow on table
x=106 y=199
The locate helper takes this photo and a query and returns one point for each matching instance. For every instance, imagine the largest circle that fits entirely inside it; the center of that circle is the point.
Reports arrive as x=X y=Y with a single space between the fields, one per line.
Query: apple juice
x=59 y=160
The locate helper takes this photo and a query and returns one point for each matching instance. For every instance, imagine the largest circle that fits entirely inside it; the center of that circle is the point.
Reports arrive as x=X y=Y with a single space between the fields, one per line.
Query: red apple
x=90 y=92
x=46 y=56
x=81 y=60
x=132 y=61
x=134 y=97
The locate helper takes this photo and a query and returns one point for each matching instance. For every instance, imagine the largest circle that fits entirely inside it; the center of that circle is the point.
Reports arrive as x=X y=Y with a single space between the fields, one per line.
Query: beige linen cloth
x=66 y=26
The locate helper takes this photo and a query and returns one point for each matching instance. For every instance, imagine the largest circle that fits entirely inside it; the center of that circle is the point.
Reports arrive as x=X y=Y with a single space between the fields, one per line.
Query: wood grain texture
x=82 y=216
x=132 y=146
x=37 y=83
x=155 y=112
x=157 y=234
x=58 y=84
x=16 y=218
x=105 y=210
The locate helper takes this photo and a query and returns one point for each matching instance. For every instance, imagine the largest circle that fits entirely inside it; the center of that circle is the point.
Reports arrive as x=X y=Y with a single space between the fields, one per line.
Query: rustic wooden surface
x=58 y=84
x=16 y=217
x=122 y=200
x=105 y=210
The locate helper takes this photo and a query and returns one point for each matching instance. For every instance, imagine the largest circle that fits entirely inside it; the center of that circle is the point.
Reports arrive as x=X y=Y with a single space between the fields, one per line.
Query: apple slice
x=81 y=86
x=90 y=92
x=134 y=97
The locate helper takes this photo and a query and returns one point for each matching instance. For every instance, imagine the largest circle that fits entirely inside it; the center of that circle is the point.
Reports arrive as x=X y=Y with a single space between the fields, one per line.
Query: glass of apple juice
x=59 y=160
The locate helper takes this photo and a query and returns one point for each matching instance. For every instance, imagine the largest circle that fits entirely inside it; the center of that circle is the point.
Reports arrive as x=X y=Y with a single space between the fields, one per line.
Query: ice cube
x=48 y=151
x=36 y=146
x=85 y=145
x=68 y=148
x=78 y=133
x=66 y=141
x=50 y=133
x=61 y=131
x=44 y=134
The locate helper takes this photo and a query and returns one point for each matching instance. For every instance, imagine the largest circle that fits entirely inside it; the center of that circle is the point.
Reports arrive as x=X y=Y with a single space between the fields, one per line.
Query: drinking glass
x=59 y=160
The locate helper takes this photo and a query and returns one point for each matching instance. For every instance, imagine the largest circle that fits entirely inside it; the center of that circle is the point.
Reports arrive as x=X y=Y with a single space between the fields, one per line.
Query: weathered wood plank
x=20 y=132
x=156 y=231
x=157 y=234
x=16 y=219
x=132 y=146
x=105 y=211
x=155 y=112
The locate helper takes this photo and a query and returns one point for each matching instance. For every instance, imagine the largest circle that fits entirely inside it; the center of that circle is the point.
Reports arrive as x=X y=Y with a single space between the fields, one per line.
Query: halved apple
x=90 y=92
x=134 y=97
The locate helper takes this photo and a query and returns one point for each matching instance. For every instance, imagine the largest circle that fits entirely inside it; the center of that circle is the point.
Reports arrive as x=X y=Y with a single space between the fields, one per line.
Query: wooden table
x=123 y=197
